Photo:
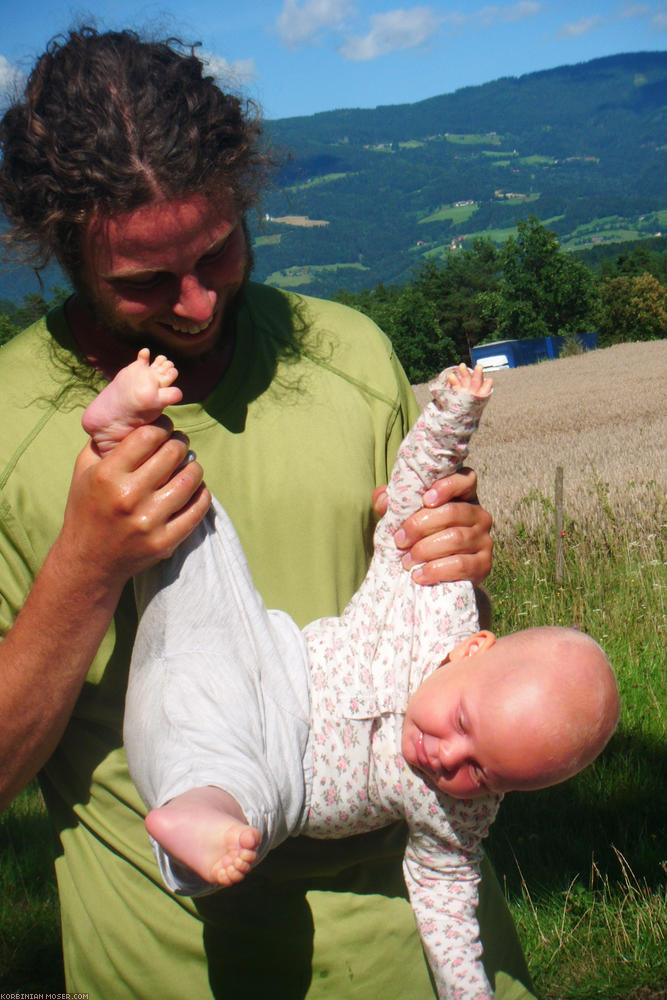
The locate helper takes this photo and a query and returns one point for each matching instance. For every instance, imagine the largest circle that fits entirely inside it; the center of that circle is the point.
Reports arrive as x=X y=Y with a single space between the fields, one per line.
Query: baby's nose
x=451 y=754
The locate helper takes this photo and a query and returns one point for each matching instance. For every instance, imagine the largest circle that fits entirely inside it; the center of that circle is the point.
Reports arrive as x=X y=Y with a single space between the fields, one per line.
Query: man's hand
x=449 y=536
x=133 y=507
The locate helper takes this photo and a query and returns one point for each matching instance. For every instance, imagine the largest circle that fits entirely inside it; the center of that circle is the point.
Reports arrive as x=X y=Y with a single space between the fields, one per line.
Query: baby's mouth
x=423 y=761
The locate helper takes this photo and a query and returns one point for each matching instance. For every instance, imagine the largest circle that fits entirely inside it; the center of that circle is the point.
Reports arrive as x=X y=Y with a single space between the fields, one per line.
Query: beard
x=113 y=325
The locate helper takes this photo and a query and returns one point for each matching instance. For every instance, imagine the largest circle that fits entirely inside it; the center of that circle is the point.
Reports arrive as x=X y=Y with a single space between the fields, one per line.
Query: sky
x=299 y=57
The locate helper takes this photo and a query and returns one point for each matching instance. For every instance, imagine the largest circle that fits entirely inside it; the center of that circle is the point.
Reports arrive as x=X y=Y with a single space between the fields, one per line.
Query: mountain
x=365 y=194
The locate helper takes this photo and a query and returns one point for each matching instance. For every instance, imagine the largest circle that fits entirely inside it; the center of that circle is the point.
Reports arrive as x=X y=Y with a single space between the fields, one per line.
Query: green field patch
x=499 y=152
x=519 y=197
x=411 y=144
x=316 y=181
x=292 y=277
x=535 y=160
x=453 y=213
x=267 y=241
x=473 y=138
x=495 y=235
x=586 y=240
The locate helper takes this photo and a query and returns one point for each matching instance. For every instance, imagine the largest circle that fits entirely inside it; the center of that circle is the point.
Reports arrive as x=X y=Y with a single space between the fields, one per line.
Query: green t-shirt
x=293 y=449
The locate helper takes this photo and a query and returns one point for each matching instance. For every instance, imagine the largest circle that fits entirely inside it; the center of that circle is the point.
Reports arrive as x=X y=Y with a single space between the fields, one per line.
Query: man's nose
x=195 y=301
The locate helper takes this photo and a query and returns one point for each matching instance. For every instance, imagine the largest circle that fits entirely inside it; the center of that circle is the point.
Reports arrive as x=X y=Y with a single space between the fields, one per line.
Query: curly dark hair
x=109 y=122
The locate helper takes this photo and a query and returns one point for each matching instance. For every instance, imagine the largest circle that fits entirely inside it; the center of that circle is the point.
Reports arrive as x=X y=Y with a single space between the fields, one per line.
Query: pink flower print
x=347 y=737
x=362 y=795
x=354 y=704
x=342 y=764
x=331 y=795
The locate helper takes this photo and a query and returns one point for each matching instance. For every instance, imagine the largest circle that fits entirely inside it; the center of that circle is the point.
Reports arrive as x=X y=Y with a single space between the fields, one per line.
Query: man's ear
x=477 y=643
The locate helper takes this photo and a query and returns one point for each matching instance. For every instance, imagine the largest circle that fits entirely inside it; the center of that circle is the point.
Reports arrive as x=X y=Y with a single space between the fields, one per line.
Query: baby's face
x=473 y=727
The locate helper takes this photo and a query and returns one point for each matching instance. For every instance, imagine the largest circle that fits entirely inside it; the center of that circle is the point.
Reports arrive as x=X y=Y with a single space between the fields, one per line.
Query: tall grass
x=30 y=954
x=584 y=864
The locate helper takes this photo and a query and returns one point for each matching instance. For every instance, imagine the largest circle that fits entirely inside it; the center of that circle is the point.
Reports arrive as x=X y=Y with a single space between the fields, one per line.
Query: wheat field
x=590 y=907
x=601 y=415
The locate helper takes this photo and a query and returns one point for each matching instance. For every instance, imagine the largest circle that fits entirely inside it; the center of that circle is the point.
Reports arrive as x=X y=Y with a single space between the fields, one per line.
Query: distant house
x=514 y=353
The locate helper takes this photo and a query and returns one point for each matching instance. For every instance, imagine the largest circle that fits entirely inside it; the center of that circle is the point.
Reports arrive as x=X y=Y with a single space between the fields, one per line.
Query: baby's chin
x=463 y=794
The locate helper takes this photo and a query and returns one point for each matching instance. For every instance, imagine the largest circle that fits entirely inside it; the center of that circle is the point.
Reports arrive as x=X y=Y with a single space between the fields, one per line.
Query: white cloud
x=11 y=77
x=518 y=11
x=575 y=29
x=657 y=15
x=298 y=24
x=515 y=12
x=237 y=72
x=394 y=30
x=632 y=10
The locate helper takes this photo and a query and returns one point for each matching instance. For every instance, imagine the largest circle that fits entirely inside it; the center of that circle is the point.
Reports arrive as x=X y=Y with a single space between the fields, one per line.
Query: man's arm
x=124 y=513
x=449 y=538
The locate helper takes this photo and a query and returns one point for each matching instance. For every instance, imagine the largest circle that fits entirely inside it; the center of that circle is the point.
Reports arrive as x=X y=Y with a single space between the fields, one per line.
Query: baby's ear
x=473 y=644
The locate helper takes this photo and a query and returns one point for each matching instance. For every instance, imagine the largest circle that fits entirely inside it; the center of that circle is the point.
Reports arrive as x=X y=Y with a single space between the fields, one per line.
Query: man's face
x=166 y=275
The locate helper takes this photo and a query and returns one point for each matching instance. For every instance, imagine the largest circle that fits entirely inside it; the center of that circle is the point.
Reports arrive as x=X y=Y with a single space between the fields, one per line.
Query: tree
x=409 y=319
x=455 y=286
x=632 y=308
x=417 y=338
x=15 y=318
x=543 y=291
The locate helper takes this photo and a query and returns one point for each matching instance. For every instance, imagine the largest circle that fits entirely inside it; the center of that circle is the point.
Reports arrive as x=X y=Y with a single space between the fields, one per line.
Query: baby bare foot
x=206 y=830
x=137 y=395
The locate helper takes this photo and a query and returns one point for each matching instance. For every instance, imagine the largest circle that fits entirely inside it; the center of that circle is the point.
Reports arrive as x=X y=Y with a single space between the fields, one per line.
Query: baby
x=241 y=730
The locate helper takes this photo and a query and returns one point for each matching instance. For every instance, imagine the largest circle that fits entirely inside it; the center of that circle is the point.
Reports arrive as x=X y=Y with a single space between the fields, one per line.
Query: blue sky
x=297 y=57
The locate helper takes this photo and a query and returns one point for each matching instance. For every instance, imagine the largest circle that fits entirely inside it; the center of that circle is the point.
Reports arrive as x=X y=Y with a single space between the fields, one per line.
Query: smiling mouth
x=188 y=329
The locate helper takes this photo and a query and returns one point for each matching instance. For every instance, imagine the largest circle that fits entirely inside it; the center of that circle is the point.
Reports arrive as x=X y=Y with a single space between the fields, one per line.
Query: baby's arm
x=435 y=447
x=441 y=869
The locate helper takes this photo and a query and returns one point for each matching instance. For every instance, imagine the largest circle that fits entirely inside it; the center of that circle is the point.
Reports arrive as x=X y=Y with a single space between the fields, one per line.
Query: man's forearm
x=44 y=660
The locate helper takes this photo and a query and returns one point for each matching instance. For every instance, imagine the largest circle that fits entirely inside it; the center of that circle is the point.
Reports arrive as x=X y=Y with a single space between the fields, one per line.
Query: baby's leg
x=137 y=395
x=205 y=829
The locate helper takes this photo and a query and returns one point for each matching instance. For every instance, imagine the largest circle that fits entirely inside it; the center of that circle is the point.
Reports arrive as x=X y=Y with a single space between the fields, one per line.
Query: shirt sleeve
x=442 y=872
x=436 y=446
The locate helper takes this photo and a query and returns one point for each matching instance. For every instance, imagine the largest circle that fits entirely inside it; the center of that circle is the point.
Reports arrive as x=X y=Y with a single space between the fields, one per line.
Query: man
x=137 y=173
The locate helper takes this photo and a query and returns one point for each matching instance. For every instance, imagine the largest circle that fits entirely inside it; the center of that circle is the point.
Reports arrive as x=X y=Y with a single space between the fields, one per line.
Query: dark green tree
x=543 y=291
x=14 y=318
x=455 y=286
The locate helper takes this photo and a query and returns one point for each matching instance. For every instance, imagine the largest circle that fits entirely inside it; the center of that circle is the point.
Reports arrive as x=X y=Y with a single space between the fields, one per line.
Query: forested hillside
x=367 y=194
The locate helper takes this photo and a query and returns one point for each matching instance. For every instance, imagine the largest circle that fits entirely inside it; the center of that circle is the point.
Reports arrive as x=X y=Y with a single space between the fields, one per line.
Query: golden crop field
x=602 y=416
